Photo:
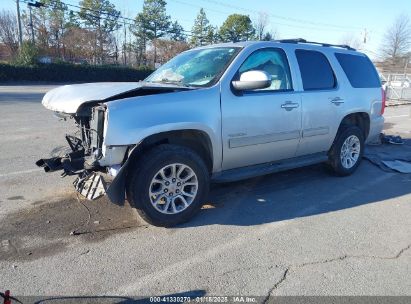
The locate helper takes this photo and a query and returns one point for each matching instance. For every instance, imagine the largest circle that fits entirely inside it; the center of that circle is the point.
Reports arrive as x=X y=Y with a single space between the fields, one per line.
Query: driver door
x=264 y=125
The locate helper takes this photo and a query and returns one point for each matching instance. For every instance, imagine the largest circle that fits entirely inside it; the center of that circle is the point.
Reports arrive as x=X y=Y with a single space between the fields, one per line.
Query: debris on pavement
x=391 y=139
x=390 y=156
x=398 y=165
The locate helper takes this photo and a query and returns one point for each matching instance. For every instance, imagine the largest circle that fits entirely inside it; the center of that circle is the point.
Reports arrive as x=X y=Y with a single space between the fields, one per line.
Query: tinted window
x=316 y=71
x=272 y=61
x=359 y=70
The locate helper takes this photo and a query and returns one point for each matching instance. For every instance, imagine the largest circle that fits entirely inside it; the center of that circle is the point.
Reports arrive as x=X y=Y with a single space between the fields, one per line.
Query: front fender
x=137 y=135
x=130 y=121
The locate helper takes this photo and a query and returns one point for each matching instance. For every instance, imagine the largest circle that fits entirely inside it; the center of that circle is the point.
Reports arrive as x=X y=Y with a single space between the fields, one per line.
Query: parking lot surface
x=300 y=232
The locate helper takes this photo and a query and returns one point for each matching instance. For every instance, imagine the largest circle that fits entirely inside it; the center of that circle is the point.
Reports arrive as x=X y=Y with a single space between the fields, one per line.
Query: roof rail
x=300 y=40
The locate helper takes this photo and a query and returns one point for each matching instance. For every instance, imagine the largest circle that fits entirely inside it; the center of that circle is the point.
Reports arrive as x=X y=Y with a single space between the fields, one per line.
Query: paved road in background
x=301 y=232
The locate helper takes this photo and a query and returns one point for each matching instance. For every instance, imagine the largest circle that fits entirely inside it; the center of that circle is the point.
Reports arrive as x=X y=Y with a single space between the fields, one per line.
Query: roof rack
x=300 y=40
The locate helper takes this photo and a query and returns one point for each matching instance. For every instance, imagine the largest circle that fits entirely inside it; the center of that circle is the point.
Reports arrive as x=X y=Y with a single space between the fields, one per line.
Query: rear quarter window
x=316 y=71
x=359 y=70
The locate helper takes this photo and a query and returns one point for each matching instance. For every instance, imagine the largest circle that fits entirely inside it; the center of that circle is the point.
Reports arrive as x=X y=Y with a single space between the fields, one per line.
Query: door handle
x=289 y=105
x=337 y=100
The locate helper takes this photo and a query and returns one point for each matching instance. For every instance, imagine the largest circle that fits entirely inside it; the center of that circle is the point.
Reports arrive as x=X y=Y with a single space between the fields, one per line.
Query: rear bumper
x=376 y=127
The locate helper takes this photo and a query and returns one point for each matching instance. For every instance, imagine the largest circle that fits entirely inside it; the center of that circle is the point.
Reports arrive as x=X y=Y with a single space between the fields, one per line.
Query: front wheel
x=346 y=152
x=168 y=185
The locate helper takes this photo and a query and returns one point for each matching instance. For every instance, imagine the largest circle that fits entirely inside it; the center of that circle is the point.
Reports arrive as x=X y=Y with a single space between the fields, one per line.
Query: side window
x=274 y=62
x=359 y=70
x=316 y=71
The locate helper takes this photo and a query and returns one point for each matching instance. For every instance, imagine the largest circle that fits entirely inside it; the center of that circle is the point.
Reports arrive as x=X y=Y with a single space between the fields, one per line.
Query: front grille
x=91 y=129
x=96 y=130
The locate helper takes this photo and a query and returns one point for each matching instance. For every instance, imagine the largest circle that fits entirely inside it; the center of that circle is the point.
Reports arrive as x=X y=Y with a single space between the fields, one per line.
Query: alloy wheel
x=173 y=188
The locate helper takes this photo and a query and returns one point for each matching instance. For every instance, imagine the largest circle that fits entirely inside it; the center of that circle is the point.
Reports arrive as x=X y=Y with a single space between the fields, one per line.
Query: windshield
x=195 y=68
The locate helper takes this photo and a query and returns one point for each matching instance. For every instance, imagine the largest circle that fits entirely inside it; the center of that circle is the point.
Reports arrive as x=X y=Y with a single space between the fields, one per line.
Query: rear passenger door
x=322 y=101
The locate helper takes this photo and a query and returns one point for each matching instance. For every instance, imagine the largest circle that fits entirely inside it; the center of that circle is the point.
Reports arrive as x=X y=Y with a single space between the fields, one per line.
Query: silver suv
x=219 y=113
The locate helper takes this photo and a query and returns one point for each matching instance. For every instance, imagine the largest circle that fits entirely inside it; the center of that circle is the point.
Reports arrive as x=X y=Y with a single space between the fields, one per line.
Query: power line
x=291 y=19
x=271 y=18
x=104 y=13
x=186 y=32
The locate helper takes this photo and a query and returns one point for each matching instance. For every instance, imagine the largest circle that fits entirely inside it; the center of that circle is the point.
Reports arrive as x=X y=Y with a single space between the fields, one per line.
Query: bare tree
x=167 y=49
x=79 y=44
x=260 y=25
x=9 y=31
x=397 y=39
x=351 y=40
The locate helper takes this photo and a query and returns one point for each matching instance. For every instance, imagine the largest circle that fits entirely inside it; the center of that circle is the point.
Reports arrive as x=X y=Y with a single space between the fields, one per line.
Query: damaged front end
x=87 y=157
x=100 y=168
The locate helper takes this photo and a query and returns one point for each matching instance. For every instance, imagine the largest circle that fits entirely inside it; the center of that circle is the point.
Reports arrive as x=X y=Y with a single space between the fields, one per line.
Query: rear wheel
x=168 y=185
x=347 y=150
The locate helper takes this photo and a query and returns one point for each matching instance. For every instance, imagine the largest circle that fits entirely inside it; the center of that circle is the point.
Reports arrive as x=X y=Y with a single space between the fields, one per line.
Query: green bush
x=27 y=55
x=64 y=72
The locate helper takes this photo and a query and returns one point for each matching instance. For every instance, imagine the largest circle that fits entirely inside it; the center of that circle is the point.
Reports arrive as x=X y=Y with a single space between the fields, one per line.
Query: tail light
x=383 y=98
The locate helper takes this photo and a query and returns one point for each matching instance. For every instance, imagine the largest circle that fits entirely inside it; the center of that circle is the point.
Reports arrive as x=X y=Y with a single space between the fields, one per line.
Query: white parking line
x=20 y=172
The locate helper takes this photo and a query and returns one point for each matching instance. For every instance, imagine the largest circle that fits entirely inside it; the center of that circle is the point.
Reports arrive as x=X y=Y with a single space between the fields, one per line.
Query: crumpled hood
x=69 y=98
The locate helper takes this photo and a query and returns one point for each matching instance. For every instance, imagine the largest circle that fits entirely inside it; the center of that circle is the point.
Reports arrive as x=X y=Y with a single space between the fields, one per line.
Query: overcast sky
x=317 y=20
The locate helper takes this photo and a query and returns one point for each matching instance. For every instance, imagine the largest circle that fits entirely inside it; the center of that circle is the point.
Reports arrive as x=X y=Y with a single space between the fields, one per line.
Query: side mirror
x=252 y=80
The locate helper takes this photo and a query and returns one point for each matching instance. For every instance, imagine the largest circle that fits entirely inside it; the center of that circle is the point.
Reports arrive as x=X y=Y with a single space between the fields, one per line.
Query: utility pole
x=365 y=36
x=31 y=24
x=19 y=23
x=125 y=43
x=36 y=5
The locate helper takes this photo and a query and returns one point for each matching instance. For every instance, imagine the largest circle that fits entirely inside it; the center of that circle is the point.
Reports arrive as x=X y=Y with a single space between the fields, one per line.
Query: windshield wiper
x=170 y=81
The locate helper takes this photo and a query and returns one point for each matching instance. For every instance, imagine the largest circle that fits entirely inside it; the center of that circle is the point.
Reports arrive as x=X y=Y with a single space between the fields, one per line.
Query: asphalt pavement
x=300 y=232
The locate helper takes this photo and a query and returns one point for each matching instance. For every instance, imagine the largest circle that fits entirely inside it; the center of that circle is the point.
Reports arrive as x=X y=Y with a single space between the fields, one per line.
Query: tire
x=167 y=204
x=344 y=162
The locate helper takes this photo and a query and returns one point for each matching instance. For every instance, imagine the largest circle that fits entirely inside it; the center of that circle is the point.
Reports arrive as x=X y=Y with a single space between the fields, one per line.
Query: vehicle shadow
x=298 y=193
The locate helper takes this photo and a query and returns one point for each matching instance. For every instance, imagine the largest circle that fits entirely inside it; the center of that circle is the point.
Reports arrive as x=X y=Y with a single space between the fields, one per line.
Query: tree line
x=95 y=32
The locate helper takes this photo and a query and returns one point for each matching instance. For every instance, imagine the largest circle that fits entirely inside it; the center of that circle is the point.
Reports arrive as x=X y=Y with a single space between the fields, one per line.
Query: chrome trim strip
x=262 y=139
x=316 y=131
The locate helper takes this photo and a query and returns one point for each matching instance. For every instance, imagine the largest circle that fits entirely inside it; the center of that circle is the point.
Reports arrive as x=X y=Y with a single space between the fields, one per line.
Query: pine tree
x=201 y=29
x=101 y=15
x=237 y=28
x=156 y=21
x=176 y=32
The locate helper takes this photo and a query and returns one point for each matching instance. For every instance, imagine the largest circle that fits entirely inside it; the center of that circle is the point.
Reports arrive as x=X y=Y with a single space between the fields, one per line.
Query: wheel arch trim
x=364 y=123
x=116 y=190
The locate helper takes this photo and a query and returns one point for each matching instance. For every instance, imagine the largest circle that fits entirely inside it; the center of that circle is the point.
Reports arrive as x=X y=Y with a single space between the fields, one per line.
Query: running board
x=237 y=174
